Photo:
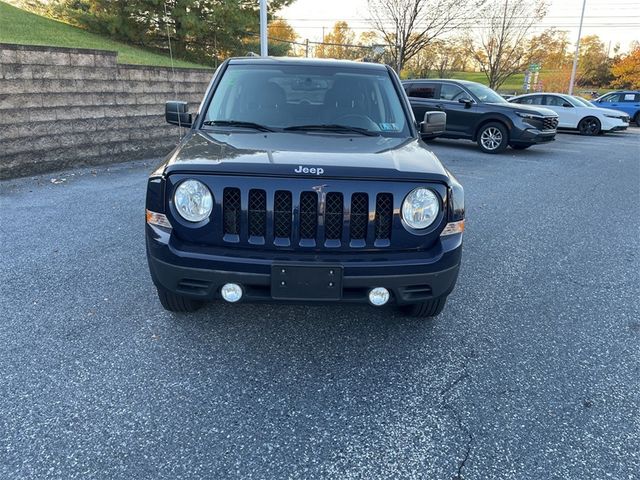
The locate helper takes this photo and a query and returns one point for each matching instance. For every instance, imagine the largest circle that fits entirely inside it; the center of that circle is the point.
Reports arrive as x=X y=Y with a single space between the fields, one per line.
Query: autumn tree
x=594 y=63
x=550 y=49
x=626 y=71
x=450 y=55
x=499 y=45
x=422 y=64
x=281 y=37
x=408 y=26
x=339 y=43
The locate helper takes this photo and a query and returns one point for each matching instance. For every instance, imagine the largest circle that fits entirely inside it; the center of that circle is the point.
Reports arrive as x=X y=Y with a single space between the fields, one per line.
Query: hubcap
x=491 y=138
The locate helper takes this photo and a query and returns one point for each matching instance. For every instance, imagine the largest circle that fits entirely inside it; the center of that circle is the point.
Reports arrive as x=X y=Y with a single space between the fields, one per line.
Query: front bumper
x=614 y=125
x=532 y=136
x=410 y=277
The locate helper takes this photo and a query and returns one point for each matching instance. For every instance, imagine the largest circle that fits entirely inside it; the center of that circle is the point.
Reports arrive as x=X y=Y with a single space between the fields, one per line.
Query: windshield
x=583 y=102
x=484 y=93
x=323 y=98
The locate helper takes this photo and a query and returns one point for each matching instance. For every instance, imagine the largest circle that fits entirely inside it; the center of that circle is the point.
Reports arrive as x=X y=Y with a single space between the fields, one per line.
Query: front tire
x=493 y=138
x=432 y=308
x=589 y=126
x=636 y=119
x=177 y=303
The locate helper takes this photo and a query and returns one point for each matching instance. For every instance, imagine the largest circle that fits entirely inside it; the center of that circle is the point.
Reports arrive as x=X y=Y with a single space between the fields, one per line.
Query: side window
x=451 y=92
x=615 y=97
x=407 y=87
x=423 y=90
x=629 y=97
x=554 y=100
x=532 y=100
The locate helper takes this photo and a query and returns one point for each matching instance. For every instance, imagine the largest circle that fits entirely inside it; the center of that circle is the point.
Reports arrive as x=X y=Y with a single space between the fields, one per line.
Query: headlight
x=420 y=208
x=193 y=200
x=529 y=115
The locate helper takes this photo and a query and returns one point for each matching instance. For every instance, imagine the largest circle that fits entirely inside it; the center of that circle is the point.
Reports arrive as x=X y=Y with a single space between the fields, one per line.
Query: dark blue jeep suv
x=304 y=181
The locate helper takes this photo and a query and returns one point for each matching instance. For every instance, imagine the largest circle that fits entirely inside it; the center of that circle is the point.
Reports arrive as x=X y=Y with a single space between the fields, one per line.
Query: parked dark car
x=627 y=101
x=304 y=181
x=476 y=112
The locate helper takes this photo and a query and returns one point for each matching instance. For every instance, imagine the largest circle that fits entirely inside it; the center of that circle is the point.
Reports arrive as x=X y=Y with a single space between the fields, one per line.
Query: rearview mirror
x=434 y=123
x=176 y=113
x=467 y=101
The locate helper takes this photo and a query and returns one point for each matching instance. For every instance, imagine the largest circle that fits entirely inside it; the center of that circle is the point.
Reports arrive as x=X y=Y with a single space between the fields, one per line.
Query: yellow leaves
x=627 y=70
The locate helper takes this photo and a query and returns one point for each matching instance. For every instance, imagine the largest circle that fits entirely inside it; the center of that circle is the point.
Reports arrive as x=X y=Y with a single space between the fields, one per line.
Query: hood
x=610 y=111
x=305 y=155
x=527 y=108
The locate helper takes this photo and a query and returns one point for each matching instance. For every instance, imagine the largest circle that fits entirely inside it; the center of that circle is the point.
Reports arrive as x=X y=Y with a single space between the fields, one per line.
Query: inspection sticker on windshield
x=388 y=127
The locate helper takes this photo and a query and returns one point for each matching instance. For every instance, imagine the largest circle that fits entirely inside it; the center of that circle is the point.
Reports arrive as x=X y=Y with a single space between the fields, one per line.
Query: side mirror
x=434 y=123
x=176 y=113
x=467 y=102
x=567 y=105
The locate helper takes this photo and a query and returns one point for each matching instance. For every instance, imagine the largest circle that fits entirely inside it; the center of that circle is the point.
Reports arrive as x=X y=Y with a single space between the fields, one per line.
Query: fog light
x=379 y=296
x=231 y=292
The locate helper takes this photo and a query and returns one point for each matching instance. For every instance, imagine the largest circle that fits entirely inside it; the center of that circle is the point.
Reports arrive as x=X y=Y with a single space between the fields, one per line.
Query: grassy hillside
x=513 y=83
x=19 y=26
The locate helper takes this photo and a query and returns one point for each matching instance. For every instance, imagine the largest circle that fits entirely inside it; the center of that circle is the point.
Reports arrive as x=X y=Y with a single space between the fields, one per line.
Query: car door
x=568 y=115
x=423 y=96
x=460 y=116
x=628 y=103
x=612 y=101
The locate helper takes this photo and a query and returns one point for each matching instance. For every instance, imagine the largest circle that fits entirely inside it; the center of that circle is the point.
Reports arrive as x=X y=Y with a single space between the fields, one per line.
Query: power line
x=476 y=26
x=548 y=17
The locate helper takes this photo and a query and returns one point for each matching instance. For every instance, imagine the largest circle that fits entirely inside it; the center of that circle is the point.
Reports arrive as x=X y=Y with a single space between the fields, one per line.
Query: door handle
x=439 y=106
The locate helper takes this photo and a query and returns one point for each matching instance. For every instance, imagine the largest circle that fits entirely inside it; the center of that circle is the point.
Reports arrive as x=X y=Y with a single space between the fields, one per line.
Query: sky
x=615 y=21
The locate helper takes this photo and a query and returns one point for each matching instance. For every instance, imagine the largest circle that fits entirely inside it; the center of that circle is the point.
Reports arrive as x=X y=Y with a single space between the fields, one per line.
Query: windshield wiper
x=238 y=123
x=331 y=127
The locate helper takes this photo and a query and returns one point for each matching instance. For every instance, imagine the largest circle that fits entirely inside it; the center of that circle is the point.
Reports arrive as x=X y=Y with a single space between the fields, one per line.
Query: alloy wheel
x=491 y=138
x=589 y=126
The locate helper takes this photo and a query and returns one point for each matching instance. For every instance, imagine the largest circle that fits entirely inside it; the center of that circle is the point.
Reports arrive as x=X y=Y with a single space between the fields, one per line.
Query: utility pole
x=575 y=55
x=306 y=48
x=264 y=45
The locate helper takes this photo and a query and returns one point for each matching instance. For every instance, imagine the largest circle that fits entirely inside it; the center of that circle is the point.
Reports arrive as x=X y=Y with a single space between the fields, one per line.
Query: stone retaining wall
x=64 y=107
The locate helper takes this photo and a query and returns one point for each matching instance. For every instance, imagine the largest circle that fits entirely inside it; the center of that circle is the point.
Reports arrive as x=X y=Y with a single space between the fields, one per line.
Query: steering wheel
x=361 y=121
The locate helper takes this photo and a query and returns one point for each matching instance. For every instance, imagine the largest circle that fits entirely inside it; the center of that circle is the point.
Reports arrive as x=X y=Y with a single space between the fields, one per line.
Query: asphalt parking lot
x=531 y=372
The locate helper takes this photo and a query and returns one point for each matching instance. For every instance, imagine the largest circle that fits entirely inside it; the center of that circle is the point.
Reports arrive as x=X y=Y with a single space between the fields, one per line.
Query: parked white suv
x=576 y=114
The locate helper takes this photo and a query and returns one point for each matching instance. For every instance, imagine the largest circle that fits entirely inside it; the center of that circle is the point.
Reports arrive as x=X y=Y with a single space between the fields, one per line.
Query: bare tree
x=407 y=26
x=499 y=45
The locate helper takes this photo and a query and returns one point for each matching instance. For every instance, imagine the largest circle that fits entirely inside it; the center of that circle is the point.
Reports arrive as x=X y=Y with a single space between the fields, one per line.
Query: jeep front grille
x=384 y=215
x=257 y=213
x=359 y=216
x=308 y=215
x=333 y=216
x=314 y=219
x=231 y=217
x=282 y=214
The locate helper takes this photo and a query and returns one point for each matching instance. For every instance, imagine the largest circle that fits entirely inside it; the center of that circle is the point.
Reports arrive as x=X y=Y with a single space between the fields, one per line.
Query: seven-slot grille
x=319 y=220
x=550 y=123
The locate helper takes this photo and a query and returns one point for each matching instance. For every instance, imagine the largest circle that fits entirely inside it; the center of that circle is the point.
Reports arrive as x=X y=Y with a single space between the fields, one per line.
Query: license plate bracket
x=306 y=283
